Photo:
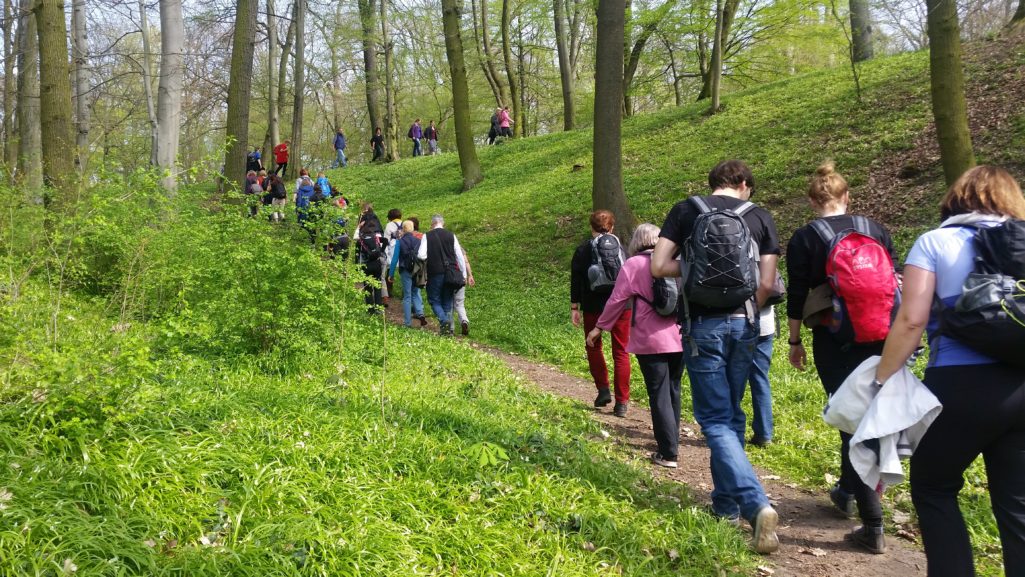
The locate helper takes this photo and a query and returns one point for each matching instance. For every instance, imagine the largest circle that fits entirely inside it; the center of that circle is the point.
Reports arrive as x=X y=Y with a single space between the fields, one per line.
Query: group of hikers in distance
x=434 y=261
x=699 y=294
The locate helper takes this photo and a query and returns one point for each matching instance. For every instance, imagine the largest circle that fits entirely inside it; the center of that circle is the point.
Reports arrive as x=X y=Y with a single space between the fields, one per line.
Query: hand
x=592 y=337
x=470 y=281
x=798 y=357
x=575 y=317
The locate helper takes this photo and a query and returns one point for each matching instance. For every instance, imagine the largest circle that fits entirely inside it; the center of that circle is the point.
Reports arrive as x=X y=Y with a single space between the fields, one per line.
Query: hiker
x=446 y=270
x=281 y=157
x=505 y=123
x=415 y=134
x=391 y=233
x=377 y=145
x=459 y=301
x=719 y=328
x=277 y=197
x=325 y=186
x=431 y=134
x=807 y=253
x=370 y=254
x=654 y=340
x=303 y=173
x=584 y=299
x=339 y=145
x=495 y=129
x=303 y=199
x=253 y=192
x=404 y=259
x=983 y=399
x=254 y=161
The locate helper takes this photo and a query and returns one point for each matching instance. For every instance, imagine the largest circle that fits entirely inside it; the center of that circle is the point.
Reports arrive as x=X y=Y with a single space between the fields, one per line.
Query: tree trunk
x=336 y=73
x=55 y=105
x=10 y=93
x=634 y=59
x=503 y=88
x=30 y=140
x=1017 y=23
x=607 y=180
x=147 y=82
x=295 y=158
x=240 y=84
x=468 y=163
x=286 y=53
x=674 y=68
x=565 y=71
x=492 y=81
x=82 y=99
x=521 y=73
x=391 y=128
x=514 y=92
x=861 y=30
x=715 y=66
x=273 y=114
x=729 y=13
x=949 y=106
x=169 y=91
x=368 y=17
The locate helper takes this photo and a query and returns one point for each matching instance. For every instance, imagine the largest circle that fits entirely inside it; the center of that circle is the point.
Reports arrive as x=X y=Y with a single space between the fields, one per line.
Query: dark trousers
x=373 y=287
x=280 y=169
x=834 y=364
x=620 y=335
x=662 y=373
x=440 y=296
x=983 y=413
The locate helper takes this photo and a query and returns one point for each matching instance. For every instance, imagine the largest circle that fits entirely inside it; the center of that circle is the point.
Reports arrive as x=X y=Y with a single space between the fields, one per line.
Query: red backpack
x=860 y=272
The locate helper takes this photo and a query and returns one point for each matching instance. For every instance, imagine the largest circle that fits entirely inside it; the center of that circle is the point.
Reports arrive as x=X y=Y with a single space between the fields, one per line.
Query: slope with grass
x=521 y=224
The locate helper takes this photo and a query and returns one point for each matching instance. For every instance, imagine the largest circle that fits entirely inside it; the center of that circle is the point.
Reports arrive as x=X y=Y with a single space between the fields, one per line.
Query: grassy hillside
x=521 y=224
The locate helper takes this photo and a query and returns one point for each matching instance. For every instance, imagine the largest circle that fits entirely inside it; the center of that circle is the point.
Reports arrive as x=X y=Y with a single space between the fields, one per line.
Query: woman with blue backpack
x=812 y=254
x=978 y=376
x=654 y=337
x=404 y=259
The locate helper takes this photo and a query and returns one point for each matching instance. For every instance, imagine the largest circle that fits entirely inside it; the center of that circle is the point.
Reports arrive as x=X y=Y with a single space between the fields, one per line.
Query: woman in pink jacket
x=505 y=123
x=654 y=339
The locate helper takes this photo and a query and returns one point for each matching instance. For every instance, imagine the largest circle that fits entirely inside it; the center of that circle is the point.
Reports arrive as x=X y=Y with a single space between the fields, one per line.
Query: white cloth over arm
x=887 y=424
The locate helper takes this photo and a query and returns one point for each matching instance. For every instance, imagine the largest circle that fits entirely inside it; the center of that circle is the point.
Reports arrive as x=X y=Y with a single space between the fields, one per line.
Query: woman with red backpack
x=836 y=354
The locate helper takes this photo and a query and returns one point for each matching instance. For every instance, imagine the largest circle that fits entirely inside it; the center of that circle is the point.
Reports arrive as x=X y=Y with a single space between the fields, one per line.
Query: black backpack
x=665 y=294
x=606 y=260
x=989 y=316
x=370 y=246
x=408 y=251
x=719 y=266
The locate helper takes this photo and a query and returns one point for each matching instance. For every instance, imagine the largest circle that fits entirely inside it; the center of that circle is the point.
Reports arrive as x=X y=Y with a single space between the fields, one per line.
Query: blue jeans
x=718 y=362
x=761 y=394
x=416 y=147
x=340 y=160
x=440 y=297
x=412 y=303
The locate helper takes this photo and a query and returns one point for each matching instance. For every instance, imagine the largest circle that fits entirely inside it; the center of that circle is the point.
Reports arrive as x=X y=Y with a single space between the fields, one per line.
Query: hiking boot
x=423 y=321
x=445 y=330
x=619 y=410
x=759 y=441
x=868 y=538
x=843 y=501
x=661 y=461
x=604 y=397
x=466 y=328
x=764 y=525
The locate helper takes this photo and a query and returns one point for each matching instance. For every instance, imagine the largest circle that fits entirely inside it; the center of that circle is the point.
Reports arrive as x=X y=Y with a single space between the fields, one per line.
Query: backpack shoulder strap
x=701 y=204
x=862 y=226
x=822 y=228
x=744 y=208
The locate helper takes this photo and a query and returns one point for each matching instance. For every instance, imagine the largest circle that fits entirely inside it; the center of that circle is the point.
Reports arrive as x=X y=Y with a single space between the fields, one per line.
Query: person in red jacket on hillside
x=281 y=157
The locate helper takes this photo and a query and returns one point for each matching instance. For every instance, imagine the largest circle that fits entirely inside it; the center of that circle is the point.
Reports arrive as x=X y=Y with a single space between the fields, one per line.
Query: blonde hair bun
x=826 y=168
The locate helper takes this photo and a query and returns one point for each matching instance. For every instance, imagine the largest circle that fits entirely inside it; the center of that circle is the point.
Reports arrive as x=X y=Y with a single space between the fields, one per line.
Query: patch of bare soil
x=904 y=181
x=811 y=532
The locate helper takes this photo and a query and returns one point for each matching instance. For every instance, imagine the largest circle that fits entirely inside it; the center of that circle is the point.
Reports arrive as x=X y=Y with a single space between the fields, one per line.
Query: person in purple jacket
x=654 y=340
x=416 y=133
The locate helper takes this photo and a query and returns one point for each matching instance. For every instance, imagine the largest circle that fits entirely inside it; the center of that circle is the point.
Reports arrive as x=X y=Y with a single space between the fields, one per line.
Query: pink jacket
x=651 y=332
x=503 y=119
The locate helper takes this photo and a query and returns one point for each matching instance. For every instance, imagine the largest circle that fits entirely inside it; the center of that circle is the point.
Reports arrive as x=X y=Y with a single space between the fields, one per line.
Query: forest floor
x=811 y=532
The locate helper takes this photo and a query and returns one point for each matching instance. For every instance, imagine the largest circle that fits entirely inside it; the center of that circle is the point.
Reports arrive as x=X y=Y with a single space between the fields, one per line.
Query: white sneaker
x=658 y=460
x=765 y=539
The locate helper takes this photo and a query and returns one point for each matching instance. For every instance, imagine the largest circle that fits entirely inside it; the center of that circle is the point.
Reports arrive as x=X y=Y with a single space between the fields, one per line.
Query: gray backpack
x=606 y=260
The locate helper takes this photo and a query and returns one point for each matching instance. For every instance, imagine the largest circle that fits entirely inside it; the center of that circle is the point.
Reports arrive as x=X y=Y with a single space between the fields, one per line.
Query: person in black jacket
x=834 y=361
x=588 y=305
x=440 y=248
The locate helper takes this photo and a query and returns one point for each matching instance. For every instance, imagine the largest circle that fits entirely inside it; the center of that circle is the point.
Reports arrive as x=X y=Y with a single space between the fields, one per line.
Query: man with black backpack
x=593 y=271
x=370 y=254
x=729 y=252
x=446 y=271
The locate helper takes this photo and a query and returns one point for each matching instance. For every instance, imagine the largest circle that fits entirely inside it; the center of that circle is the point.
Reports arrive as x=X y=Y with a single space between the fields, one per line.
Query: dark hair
x=985 y=189
x=731 y=174
x=602 y=221
x=275 y=179
x=394 y=213
x=416 y=222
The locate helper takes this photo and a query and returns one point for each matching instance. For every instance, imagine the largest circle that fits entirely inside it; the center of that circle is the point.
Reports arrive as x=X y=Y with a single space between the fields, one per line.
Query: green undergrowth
x=521 y=224
x=184 y=391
